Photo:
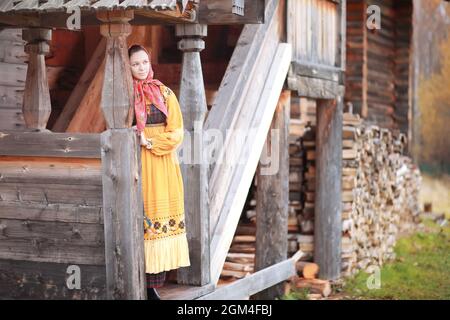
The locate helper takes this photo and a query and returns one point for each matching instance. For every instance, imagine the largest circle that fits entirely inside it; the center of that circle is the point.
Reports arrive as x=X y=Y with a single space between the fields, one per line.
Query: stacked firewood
x=379 y=194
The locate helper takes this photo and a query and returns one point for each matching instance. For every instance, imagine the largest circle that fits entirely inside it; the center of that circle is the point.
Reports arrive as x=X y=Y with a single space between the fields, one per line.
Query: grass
x=420 y=271
x=299 y=294
x=422 y=267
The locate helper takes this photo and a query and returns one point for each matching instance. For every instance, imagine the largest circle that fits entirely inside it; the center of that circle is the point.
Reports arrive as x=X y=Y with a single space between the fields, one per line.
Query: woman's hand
x=145 y=142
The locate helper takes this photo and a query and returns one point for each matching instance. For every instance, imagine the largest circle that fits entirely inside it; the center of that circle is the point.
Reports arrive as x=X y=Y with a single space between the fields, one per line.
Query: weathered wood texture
x=237 y=98
x=45 y=144
x=250 y=147
x=316 y=30
x=244 y=288
x=123 y=210
x=50 y=218
x=272 y=198
x=195 y=180
x=327 y=224
x=313 y=31
x=55 y=14
x=45 y=280
x=378 y=72
x=121 y=167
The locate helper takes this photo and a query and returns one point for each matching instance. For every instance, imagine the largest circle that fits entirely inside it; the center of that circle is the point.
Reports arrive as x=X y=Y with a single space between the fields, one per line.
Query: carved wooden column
x=36 y=100
x=193 y=105
x=328 y=200
x=122 y=190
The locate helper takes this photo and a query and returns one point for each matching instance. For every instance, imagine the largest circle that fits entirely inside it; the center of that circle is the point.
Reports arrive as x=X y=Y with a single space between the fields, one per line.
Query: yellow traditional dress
x=165 y=241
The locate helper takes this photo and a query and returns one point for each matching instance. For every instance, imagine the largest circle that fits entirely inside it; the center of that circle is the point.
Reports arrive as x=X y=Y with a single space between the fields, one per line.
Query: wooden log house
x=69 y=161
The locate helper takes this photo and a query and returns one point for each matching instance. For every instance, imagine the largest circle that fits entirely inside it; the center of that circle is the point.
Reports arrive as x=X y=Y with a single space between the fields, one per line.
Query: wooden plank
x=273 y=196
x=242 y=289
x=46 y=249
x=89 y=235
x=50 y=171
x=54 y=212
x=13 y=74
x=237 y=102
x=183 y=292
x=52 y=193
x=11 y=97
x=46 y=144
x=315 y=88
x=248 y=160
x=328 y=201
x=316 y=71
x=81 y=91
x=12 y=52
x=21 y=279
x=219 y=12
x=11 y=119
x=237 y=79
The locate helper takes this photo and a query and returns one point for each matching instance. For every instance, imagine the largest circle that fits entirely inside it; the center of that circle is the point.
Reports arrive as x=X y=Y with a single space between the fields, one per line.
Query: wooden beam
x=220 y=12
x=256 y=282
x=36 y=101
x=249 y=148
x=121 y=167
x=315 y=88
x=89 y=116
x=272 y=197
x=328 y=201
x=79 y=92
x=238 y=98
x=183 y=292
x=44 y=144
x=194 y=109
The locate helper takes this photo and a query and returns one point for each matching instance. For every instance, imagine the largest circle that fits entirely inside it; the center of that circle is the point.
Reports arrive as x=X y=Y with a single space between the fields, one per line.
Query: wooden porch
x=75 y=197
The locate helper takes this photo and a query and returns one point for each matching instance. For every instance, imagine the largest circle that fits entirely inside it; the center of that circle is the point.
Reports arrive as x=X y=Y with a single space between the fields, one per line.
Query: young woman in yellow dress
x=159 y=124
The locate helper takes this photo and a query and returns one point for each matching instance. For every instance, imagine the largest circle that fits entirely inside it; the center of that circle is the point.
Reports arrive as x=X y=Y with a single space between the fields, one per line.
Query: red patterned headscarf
x=148 y=88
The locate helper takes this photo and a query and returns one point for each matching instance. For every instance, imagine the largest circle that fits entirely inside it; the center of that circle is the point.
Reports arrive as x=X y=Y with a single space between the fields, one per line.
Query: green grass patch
x=420 y=271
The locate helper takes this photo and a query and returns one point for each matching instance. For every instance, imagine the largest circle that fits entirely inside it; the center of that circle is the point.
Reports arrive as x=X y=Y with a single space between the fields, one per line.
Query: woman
x=159 y=124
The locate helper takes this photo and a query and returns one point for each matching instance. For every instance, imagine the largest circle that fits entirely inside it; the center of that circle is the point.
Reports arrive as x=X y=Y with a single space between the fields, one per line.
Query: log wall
x=50 y=218
x=378 y=63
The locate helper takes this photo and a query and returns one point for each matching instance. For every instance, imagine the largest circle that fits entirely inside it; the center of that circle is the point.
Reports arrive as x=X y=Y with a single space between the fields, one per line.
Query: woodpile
x=380 y=190
x=379 y=194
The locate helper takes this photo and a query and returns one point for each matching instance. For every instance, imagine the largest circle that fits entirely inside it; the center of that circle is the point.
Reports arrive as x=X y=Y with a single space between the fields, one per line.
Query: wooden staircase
x=243 y=111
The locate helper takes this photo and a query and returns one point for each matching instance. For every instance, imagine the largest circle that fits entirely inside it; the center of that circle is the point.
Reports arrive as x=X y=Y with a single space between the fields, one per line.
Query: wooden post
x=36 y=107
x=194 y=108
x=272 y=197
x=328 y=222
x=122 y=194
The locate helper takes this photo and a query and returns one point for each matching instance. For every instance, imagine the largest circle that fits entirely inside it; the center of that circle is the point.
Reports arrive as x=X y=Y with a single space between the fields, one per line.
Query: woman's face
x=140 y=65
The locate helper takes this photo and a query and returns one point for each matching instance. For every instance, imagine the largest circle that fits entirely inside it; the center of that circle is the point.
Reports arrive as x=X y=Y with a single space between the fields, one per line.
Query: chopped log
x=310 y=270
x=317 y=286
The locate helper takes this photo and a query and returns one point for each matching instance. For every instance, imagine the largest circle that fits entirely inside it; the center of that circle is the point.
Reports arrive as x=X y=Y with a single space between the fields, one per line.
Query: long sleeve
x=172 y=137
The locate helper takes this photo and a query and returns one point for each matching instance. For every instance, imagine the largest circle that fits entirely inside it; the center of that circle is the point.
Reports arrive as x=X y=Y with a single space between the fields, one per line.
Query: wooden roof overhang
x=55 y=13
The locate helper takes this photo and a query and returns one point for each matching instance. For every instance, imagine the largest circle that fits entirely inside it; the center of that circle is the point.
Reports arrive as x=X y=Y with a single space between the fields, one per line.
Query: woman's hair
x=135 y=48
